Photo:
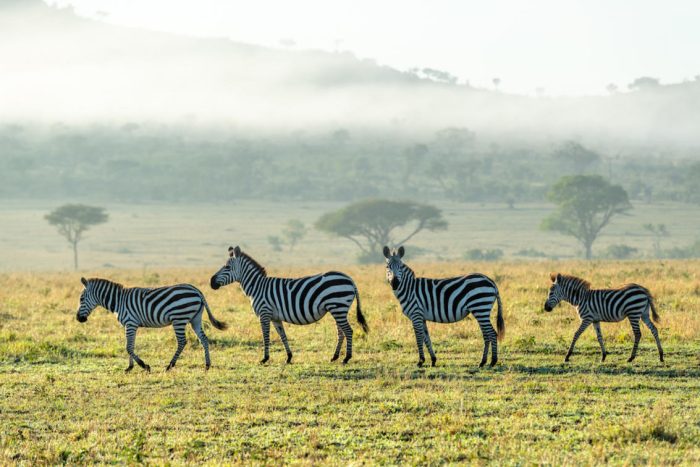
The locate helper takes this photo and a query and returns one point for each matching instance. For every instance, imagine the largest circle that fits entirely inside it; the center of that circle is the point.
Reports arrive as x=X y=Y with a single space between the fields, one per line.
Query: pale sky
x=567 y=47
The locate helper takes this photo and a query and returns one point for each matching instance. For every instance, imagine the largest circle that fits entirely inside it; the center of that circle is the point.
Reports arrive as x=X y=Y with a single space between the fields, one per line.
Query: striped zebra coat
x=630 y=301
x=444 y=301
x=304 y=300
x=136 y=307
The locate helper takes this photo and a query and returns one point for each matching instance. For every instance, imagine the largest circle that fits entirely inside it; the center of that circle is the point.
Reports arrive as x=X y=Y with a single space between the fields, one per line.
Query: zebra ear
x=84 y=281
x=237 y=251
x=401 y=251
x=386 y=252
x=553 y=276
x=230 y=251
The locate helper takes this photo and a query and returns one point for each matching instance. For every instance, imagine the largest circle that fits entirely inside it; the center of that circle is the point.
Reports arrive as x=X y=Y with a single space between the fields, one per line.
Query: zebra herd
x=306 y=300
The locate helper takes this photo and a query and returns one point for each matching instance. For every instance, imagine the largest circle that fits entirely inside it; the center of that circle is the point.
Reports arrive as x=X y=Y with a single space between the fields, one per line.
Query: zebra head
x=394 y=266
x=556 y=293
x=88 y=300
x=231 y=272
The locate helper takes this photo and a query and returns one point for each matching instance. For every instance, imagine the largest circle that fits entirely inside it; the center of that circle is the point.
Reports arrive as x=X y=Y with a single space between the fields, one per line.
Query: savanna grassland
x=65 y=398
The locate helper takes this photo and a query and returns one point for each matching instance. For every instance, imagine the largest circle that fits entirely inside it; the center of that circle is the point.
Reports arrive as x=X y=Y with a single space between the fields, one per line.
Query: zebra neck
x=407 y=282
x=250 y=282
x=575 y=296
x=111 y=298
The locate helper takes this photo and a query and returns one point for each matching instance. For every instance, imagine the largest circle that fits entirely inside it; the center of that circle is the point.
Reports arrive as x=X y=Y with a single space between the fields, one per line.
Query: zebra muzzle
x=81 y=319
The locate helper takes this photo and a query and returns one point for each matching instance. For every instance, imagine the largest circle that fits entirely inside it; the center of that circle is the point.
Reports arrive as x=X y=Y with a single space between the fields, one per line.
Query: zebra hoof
x=602 y=359
x=347 y=359
x=483 y=362
x=493 y=362
x=207 y=366
x=629 y=360
x=289 y=358
x=661 y=358
x=335 y=357
x=420 y=363
x=433 y=361
x=169 y=367
x=147 y=368
x=264 y=360
x=566 y=359
x=128 y=369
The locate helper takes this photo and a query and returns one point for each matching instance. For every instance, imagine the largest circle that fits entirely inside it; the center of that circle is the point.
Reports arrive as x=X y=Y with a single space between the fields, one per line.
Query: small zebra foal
x=445 y=301
x=630 y=301
x=150 y=308
x=304 y=300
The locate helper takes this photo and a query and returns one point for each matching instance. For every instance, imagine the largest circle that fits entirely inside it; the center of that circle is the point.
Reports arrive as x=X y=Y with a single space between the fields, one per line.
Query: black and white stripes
x=444 y=301
x=298 y=301
x=630 y=301
x=149 y=308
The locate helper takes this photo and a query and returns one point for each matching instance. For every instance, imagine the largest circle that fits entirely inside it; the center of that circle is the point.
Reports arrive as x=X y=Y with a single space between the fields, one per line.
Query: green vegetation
x=372 y=224
x=65 y=399
x=586 y=205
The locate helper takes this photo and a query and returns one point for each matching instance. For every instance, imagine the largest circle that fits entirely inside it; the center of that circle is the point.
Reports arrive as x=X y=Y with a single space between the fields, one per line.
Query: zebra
x=303 y=300
x=150 y=308
x=631 y=301
x=444 y=301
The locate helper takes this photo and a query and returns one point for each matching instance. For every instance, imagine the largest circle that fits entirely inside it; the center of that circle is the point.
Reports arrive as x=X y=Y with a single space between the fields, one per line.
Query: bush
x=531 y=253
x=620 y=251
x=690 y=251
x=477 y=254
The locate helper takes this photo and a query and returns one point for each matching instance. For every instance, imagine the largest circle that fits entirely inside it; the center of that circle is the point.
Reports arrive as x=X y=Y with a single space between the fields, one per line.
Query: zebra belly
x=446 y=316
x=299 y=316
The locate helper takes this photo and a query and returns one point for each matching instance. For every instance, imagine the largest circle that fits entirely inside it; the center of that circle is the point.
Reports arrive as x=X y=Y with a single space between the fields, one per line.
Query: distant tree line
x=139 y=162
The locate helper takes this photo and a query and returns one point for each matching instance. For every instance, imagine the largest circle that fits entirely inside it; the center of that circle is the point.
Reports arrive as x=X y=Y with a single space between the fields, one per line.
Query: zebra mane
x=99 y=281
x=577 y=282
x=254 y=263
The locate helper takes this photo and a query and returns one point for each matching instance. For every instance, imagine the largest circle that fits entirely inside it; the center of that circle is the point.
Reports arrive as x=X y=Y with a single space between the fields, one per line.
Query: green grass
x=65 y=398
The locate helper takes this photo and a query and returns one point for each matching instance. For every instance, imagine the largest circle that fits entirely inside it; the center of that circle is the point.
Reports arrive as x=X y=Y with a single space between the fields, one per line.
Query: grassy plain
x=154 y=236
x=65 y=398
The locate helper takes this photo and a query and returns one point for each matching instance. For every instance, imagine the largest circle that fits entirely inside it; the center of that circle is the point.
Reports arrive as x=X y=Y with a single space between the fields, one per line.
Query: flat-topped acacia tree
x=371 y=224
x=72 y=220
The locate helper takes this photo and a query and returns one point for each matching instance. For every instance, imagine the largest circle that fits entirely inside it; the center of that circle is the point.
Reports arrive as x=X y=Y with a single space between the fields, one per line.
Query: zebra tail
x=360 y=316
x=654 y=314
x=215 y=322
x=500 y=324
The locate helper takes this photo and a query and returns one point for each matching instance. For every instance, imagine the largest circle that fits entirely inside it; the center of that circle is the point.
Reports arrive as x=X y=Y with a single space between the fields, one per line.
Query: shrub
x=620 y=251
x=477 y=254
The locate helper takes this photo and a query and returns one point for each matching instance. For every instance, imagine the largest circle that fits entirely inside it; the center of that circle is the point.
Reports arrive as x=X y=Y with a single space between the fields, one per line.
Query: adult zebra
x=630 y=301
x=150 y=308
x=444 y=301
x=298 y=301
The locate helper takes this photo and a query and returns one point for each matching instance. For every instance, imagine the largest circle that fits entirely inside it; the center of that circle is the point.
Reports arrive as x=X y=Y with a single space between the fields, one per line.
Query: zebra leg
x=584 y=325
x=342 y=322
x=599 y=333
x=429 y=345
x=419 y=330
x=655 y=333
x=265 y=325
x=489 y=335
x=179 y=327
x=634 y=322
x=280 y=330
x=341 y=338
x=197 y=327
x=130 y=341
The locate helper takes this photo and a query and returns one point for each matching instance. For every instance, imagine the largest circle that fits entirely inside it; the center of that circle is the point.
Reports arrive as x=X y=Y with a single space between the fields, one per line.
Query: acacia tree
x=72 y=220
x=586 y=204
x=370 y=224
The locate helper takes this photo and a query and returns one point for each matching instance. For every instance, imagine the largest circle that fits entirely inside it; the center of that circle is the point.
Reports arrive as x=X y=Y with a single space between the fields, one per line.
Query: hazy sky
x=566 y=47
